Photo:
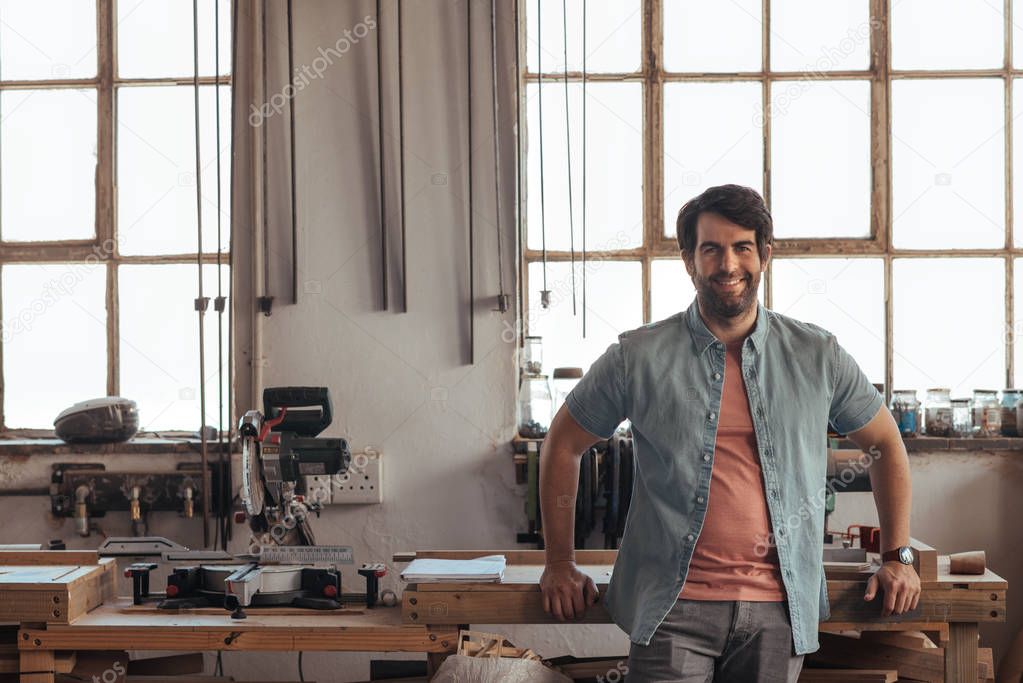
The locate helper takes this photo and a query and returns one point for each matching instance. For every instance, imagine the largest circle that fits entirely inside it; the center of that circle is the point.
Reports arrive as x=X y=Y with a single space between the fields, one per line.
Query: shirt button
x=699 y=499
x=781 y=532
x=706 y=457
x=689 y=537
x=717 y=375
x=712 y=416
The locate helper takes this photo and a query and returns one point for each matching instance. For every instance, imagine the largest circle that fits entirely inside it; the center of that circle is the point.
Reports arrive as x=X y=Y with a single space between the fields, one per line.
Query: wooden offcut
x=53 y=593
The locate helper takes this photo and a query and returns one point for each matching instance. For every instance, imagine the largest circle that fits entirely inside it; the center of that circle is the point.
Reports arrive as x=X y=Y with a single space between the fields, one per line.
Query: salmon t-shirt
x=734 y=557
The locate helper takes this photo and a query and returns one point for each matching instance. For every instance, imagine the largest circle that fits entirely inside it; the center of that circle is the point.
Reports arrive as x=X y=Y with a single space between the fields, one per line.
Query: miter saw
x=280 y=447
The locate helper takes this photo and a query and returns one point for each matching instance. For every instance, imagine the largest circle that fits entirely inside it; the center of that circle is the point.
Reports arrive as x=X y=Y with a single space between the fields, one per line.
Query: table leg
x=36 y=666
x=961 y=653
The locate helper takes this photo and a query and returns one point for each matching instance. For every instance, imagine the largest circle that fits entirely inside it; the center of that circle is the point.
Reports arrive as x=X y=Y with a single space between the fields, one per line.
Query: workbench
x=950 y=609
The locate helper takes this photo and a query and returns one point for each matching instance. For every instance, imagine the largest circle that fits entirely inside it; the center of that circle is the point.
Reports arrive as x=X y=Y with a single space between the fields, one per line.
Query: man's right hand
x=566 y=590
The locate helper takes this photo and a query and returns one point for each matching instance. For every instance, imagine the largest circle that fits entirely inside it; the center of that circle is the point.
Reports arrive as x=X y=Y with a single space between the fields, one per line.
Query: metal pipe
x=265 y=301
x=230 y=285
x=584 y=168
x=380 y=152
x=502 y=297
x=545 y=294
x=291 y=157
x=568 y=149
x=401 y=157
x=201 y=301
x=472 y=265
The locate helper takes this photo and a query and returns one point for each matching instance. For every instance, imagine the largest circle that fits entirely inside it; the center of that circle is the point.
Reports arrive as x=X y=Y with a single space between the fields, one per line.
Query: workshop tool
x=970 y=562
x=502 y=297
x=279 y=448
x=545 y=294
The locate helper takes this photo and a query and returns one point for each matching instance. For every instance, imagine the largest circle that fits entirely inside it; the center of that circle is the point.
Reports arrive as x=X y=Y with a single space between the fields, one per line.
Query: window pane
x=145 y=52
x=1017 y=161
x=614 y=162
x=161 y=376
x=671 y=288
x=820 y=158
x=1017 y=33
x=949 y=323
x=48 y=164
x=1016 y=334
x=810 y=35
x=47 y=40
x=948 y=163
x=947 y=34
x=54 y=340
x=614 y=304
x=710 y=35
x=844 y=296
x=713 y=134
x=156 y=169
x=613 y=32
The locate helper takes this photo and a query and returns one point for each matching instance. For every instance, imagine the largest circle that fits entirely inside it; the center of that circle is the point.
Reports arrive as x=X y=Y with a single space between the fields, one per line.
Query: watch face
x=906 y=555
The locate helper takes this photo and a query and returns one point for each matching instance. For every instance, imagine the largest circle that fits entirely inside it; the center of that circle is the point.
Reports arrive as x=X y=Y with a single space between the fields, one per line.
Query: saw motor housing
x=280 y=447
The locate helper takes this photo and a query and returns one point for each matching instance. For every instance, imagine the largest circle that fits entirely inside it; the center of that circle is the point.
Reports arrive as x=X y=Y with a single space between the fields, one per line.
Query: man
x=720 y=571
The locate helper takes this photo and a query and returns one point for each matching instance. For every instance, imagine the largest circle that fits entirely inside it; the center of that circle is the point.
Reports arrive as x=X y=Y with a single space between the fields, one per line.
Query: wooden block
x=848 y=676
x=47 y=557
x=852 y=652
x=926 y=562
x=56 y=594
x=190 y=663
x=913 y=640
x=961 y=652
x=972 y=562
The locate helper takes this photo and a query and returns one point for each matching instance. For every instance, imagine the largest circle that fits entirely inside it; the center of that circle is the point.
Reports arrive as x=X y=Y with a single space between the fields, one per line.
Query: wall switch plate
x=362 y=483
x=318 y=488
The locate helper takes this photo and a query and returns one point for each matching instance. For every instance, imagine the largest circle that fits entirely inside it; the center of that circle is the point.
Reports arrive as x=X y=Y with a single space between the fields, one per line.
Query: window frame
x=106 y=84
x=652 y=76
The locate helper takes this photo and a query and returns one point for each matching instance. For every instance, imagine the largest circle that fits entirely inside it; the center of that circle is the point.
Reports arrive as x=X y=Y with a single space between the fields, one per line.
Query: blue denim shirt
x=667 y=378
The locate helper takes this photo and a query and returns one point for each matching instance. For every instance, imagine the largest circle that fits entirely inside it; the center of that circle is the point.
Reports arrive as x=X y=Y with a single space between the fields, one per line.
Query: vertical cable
x=401 y=157
x=380 y=153
x=584 y=168
x=568 y=149
x=545 y=294
x=291 y=156
x=201 y=301
x=468 y=107
x=502 y=298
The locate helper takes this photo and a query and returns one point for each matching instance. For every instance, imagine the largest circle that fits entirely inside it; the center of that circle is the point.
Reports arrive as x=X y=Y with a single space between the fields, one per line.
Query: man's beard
x=729 y=305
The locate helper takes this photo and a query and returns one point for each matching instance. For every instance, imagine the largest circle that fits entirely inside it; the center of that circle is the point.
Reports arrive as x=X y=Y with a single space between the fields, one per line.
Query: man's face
x=725 y=266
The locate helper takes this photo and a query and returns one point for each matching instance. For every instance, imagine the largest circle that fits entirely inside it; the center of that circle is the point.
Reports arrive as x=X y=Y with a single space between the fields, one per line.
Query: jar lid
x=945 y=389
x=985 y=391
x=961 y=400
x=905 y=391
x=568 y=373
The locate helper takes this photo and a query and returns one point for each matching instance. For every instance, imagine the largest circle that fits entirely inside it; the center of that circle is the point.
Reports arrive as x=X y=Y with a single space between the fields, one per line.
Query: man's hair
x=741 y=205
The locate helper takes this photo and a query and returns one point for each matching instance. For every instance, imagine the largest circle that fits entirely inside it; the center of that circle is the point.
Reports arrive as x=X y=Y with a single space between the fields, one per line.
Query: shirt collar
x=703 y=337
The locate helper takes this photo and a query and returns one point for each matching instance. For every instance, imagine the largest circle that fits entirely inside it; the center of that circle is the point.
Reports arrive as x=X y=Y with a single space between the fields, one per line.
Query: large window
x=880 y=134
x=99 y=250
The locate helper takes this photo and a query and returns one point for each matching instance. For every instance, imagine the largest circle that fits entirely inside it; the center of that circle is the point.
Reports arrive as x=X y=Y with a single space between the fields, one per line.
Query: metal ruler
x=307 y=554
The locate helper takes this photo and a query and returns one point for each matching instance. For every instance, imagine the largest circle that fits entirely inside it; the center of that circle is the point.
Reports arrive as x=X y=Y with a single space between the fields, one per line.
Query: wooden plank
x=937 y=632
x=838 y=650
x=848 y=676
x=941 y=604
x=63 y=662
x=512 y=607
x=11 y=558
x=961 y=654
x=512 y=557
x=37 y=667
x=911 y=639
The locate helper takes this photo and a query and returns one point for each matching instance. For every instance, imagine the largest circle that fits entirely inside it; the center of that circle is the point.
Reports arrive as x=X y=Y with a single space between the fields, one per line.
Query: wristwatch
x=904 y=555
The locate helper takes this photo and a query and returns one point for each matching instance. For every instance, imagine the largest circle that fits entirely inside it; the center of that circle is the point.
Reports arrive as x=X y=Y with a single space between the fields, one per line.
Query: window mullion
x=106 y=231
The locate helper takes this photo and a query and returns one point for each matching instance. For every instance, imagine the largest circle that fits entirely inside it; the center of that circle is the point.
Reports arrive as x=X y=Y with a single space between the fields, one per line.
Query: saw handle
x=270 y=423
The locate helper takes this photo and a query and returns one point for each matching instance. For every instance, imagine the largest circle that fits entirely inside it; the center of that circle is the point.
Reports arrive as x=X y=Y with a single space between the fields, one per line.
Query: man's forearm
x=892 y=487
x=559 y=477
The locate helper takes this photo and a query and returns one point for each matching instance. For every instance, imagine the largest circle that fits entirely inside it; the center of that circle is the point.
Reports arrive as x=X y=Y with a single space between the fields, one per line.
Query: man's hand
x=901 y=586
x=566 y=590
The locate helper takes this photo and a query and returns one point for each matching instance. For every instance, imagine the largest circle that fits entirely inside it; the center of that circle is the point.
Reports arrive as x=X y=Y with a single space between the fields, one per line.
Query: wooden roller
x=972 y=562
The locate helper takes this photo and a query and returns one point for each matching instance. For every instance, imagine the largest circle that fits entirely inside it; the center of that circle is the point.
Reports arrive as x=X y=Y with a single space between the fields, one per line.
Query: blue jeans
x=718 y=641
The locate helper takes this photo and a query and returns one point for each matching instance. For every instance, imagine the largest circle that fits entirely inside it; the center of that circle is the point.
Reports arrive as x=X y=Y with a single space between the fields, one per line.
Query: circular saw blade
x=252 y=480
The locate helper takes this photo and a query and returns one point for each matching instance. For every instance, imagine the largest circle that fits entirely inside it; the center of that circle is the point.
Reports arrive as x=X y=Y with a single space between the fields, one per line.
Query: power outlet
x=362 y=483
x=318 y=488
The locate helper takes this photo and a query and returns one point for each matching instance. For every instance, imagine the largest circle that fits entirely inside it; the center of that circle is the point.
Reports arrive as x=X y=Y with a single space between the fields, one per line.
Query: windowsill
x=919 y=444
x=140 y=446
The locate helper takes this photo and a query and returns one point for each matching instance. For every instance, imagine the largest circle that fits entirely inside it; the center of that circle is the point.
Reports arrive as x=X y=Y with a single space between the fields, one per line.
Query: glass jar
x=536 y=407
x=962 y=418
x=1010 y=399
x=938 y=412
x=565 y=380
x=532 y=356
x=987 y=413
x=906 y=411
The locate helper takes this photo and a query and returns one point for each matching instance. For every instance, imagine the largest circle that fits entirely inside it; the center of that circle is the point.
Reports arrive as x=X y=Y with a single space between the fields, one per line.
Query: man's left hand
x=901 y=586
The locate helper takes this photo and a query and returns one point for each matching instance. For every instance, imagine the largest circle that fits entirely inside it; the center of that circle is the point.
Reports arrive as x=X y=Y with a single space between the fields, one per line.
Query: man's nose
x=729 y=261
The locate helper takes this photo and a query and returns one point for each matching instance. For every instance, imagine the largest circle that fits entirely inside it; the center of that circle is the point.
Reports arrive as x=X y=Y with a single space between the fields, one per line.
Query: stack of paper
x=426 y=570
